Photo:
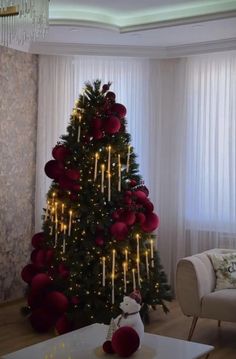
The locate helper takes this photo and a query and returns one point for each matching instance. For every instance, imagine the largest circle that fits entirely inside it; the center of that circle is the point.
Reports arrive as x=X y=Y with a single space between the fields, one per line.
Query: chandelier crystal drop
x=23 y=20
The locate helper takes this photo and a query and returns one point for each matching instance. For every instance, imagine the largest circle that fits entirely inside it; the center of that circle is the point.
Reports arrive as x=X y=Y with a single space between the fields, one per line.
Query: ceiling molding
x=132 y=51
x=145 y=26
x=177 y=22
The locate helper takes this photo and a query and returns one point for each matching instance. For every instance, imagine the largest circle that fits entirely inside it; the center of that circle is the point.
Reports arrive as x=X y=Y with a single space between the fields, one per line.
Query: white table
x=86 y=343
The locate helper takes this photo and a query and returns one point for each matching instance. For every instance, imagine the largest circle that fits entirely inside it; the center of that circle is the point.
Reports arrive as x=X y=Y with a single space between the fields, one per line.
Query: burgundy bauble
x=28 y=273
x=107 y=347
x=127 y=200
x=60 y=153
x=49 y=255
x=33 y=255
x=133 y=182
x=119 y=230
x=140 y=217
x=63 y=325
x=128 y=193
x=76 y=187
x=63 y=271
x=115 y=215
x=97 y=134
x=111 y=95
x=125 y=341
x=42 y=320
x=140 y=196
x=40 y=258
x=57 y=302
x=54 y=169
x=65 y=183
x=151 y=222
x=105 y=88
x=119 y=110
x=112 y=125
x=37 y=240
x=96 y=123
x=128 y=217
x=72 y=174
x=35 y=300
x=40 y=282
x=74 y=300
x=144 y=189
x=148 y=206
x=99 y=240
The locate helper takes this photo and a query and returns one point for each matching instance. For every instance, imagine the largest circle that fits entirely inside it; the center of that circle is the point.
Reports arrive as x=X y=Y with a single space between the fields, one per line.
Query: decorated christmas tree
x=96 y=242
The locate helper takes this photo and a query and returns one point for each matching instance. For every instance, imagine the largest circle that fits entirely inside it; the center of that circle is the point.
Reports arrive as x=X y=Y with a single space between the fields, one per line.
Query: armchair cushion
x=220 y=305
x=225 y=269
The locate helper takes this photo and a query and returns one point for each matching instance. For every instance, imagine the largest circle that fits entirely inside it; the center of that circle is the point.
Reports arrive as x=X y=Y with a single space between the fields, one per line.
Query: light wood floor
x=16 y=332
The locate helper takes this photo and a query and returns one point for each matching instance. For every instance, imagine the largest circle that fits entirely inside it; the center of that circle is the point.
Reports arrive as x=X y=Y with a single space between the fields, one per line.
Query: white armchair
x=195 y=284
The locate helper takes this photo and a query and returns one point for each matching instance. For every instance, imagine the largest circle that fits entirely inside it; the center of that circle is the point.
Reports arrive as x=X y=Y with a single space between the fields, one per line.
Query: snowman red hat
x=136 y=295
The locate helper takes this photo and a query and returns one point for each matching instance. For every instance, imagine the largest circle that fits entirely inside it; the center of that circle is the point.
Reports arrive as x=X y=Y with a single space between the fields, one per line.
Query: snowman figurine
x=130 y=316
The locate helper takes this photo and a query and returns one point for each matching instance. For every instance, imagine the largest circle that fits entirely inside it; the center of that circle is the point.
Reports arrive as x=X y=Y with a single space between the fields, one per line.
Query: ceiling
x=154 y=28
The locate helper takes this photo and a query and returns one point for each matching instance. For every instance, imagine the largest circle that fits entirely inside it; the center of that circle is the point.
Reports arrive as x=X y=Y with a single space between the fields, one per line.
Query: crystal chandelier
x=22 y=20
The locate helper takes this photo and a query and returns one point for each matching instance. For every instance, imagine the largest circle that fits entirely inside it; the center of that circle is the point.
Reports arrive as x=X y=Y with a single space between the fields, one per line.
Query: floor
x=16 y=332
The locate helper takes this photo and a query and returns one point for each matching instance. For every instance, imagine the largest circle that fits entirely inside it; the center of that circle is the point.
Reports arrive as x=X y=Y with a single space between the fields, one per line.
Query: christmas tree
x=96 y=243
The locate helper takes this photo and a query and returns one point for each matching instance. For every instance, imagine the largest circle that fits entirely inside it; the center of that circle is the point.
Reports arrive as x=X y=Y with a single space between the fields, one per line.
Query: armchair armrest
x=195 y=278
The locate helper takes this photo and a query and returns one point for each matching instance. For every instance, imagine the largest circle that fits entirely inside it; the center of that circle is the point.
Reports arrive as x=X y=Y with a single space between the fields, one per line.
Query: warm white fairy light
x=152 y=258
x=64 y=239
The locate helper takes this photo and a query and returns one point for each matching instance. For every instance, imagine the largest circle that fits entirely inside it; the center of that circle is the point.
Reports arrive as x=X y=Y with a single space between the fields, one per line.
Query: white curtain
x=210 y=208
x=181 y=116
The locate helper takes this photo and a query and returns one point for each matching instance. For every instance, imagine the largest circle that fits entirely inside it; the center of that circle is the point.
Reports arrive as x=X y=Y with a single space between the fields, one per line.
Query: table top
x=86 y=343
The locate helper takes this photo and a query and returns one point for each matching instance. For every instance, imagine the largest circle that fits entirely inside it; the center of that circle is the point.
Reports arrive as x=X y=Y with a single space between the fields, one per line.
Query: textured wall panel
x=18 y=120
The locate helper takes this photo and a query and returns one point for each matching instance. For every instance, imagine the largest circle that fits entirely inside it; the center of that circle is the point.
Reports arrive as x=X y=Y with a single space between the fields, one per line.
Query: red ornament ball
x=148 y=206
x=28 y=273
x=107 y=347
x=60 y=152
x=119 y=110
x=40 y=282
x=35 y=300
x=65 y=183
x=105 y=88
x=99 y=241
x=40 y=258
x=119 y=230
x=42 y=320
x=112 y=125
x=140 y=196
x=128 y=217
x=49 y=255
x=57 y=302
x=63 y=325
x=111 y=96
x=75 y=300
x=72 y=174
x=97 y=134
x=140 y=217
x=133 y=182
x=125 y=341
x=54 y=169
x=151 y=222
x=37 y=240
x=96 y=123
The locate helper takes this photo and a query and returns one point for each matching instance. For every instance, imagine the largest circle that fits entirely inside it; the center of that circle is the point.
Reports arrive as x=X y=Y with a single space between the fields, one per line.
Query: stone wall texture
x=18 y=124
